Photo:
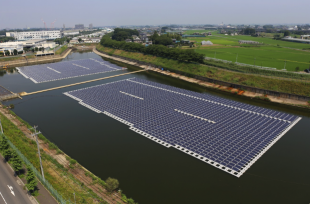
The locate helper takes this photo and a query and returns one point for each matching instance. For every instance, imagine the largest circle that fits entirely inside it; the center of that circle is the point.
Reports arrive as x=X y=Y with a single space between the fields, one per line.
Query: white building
x=20 y=45
x=30 y=35
x=10 y=47
x=206 y=43
x=71 y=33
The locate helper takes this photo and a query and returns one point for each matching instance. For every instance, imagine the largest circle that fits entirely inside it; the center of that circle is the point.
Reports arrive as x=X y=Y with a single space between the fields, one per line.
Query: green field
x=188 y=32
x=272 y=53
x=262 y=56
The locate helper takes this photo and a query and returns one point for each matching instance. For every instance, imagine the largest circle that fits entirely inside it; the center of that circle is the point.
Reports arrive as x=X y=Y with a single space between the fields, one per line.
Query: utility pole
x=74 y=198
x=1 y=126
x=36 y=135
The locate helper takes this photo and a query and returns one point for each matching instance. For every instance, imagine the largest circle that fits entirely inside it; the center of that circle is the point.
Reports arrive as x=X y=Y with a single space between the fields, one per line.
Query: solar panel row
x=226 y=134
x=68 y=69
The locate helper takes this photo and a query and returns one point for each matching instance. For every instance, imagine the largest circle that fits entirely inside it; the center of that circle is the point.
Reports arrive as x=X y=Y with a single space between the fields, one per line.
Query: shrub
x=111 y=184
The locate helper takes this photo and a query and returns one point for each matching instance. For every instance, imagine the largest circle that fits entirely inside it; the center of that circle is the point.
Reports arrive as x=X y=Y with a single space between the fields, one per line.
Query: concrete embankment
x=274 y=99
x=36 y=60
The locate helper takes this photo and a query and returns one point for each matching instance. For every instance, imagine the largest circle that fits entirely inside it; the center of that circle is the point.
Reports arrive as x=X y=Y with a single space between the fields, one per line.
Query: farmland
x=272 y=53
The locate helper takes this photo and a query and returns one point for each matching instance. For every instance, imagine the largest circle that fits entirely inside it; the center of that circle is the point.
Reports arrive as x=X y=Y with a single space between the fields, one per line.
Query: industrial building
x=31 y=35
x=90 y=26
x=79 y=26
x=4 y=47
x=20 y=45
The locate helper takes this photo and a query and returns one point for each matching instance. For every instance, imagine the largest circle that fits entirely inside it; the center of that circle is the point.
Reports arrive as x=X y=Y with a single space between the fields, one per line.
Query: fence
x=47 y=185
x=222 y=83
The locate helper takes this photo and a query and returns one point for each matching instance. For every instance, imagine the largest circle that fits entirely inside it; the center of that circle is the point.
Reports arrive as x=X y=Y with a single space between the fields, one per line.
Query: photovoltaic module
x=67 y=69
x=229 y=135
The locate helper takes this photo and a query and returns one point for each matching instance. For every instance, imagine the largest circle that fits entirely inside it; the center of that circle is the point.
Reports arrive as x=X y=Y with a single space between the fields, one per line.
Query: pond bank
x=245 y=93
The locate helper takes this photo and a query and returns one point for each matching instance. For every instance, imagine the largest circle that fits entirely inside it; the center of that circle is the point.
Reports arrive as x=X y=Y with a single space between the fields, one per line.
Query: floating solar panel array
x=68 y=69
x=226 y=134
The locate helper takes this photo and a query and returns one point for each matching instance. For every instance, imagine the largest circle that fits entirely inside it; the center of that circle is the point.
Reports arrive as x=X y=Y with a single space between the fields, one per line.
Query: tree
x=7 y=53
x=297 y=69
x=79 y=40
x=16 y=162
x=68 y=40
x=36 y=48
x=15 y=52
x=111 y=184
x=43 y=49
x=31 y=180
x=286 y=33
x=7 y=154
x=4 y=145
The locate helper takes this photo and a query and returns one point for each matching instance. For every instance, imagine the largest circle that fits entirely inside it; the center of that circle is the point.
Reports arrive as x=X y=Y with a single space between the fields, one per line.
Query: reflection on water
x=151 y=173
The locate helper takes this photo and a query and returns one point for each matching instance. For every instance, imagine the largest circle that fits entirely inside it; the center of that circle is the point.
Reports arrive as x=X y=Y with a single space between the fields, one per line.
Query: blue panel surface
x=226 y=134
x=68 y=69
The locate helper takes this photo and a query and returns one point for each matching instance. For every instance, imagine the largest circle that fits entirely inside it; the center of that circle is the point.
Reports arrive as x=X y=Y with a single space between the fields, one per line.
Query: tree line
x=121 y=34
x=12 y=157
x=164 y=39
x=156 y=50
x=6 y=39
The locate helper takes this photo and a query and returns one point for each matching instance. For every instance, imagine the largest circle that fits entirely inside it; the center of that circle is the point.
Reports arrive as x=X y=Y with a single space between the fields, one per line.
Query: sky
x=21 y=13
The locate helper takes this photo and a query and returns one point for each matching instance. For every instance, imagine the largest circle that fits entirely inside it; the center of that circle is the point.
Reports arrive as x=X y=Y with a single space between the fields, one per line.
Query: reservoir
x=151 y=173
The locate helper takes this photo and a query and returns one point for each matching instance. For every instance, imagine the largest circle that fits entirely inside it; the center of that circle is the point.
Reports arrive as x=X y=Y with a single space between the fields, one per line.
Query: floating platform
x=67 y=69
x=226 y=134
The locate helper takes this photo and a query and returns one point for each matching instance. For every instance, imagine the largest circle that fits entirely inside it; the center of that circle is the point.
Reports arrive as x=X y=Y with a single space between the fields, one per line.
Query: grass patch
x=61 y=50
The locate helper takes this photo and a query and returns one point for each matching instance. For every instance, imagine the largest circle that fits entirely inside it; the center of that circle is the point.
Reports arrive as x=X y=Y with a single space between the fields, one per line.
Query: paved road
x=7 y=181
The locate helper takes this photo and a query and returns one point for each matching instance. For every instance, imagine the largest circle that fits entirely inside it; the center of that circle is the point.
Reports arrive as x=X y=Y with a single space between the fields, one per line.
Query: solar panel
x=226 y=134
x=68 y=69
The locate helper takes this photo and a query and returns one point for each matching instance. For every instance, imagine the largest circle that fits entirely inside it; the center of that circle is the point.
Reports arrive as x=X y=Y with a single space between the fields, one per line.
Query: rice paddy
x=272 y=53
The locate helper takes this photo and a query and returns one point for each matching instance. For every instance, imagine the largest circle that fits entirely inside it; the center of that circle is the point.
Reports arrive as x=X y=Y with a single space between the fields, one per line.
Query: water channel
x=149 y=172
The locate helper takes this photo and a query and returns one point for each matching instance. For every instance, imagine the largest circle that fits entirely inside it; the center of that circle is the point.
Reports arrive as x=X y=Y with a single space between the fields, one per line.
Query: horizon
x=139 y=13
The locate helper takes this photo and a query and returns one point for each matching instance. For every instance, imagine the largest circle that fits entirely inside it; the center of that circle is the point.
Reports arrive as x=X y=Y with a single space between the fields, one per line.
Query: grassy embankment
x=61 y=50
x=61 y=177
x=273 y=53
x=7 y=59
x=293 y=87
x=55 y=173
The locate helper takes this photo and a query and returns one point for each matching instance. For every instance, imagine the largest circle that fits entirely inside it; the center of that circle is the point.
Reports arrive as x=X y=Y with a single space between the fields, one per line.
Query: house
x=185 y=41
x=128 y=40
x=137 y=39
x=206 y=43
x=174 y=40
x=74 y=41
